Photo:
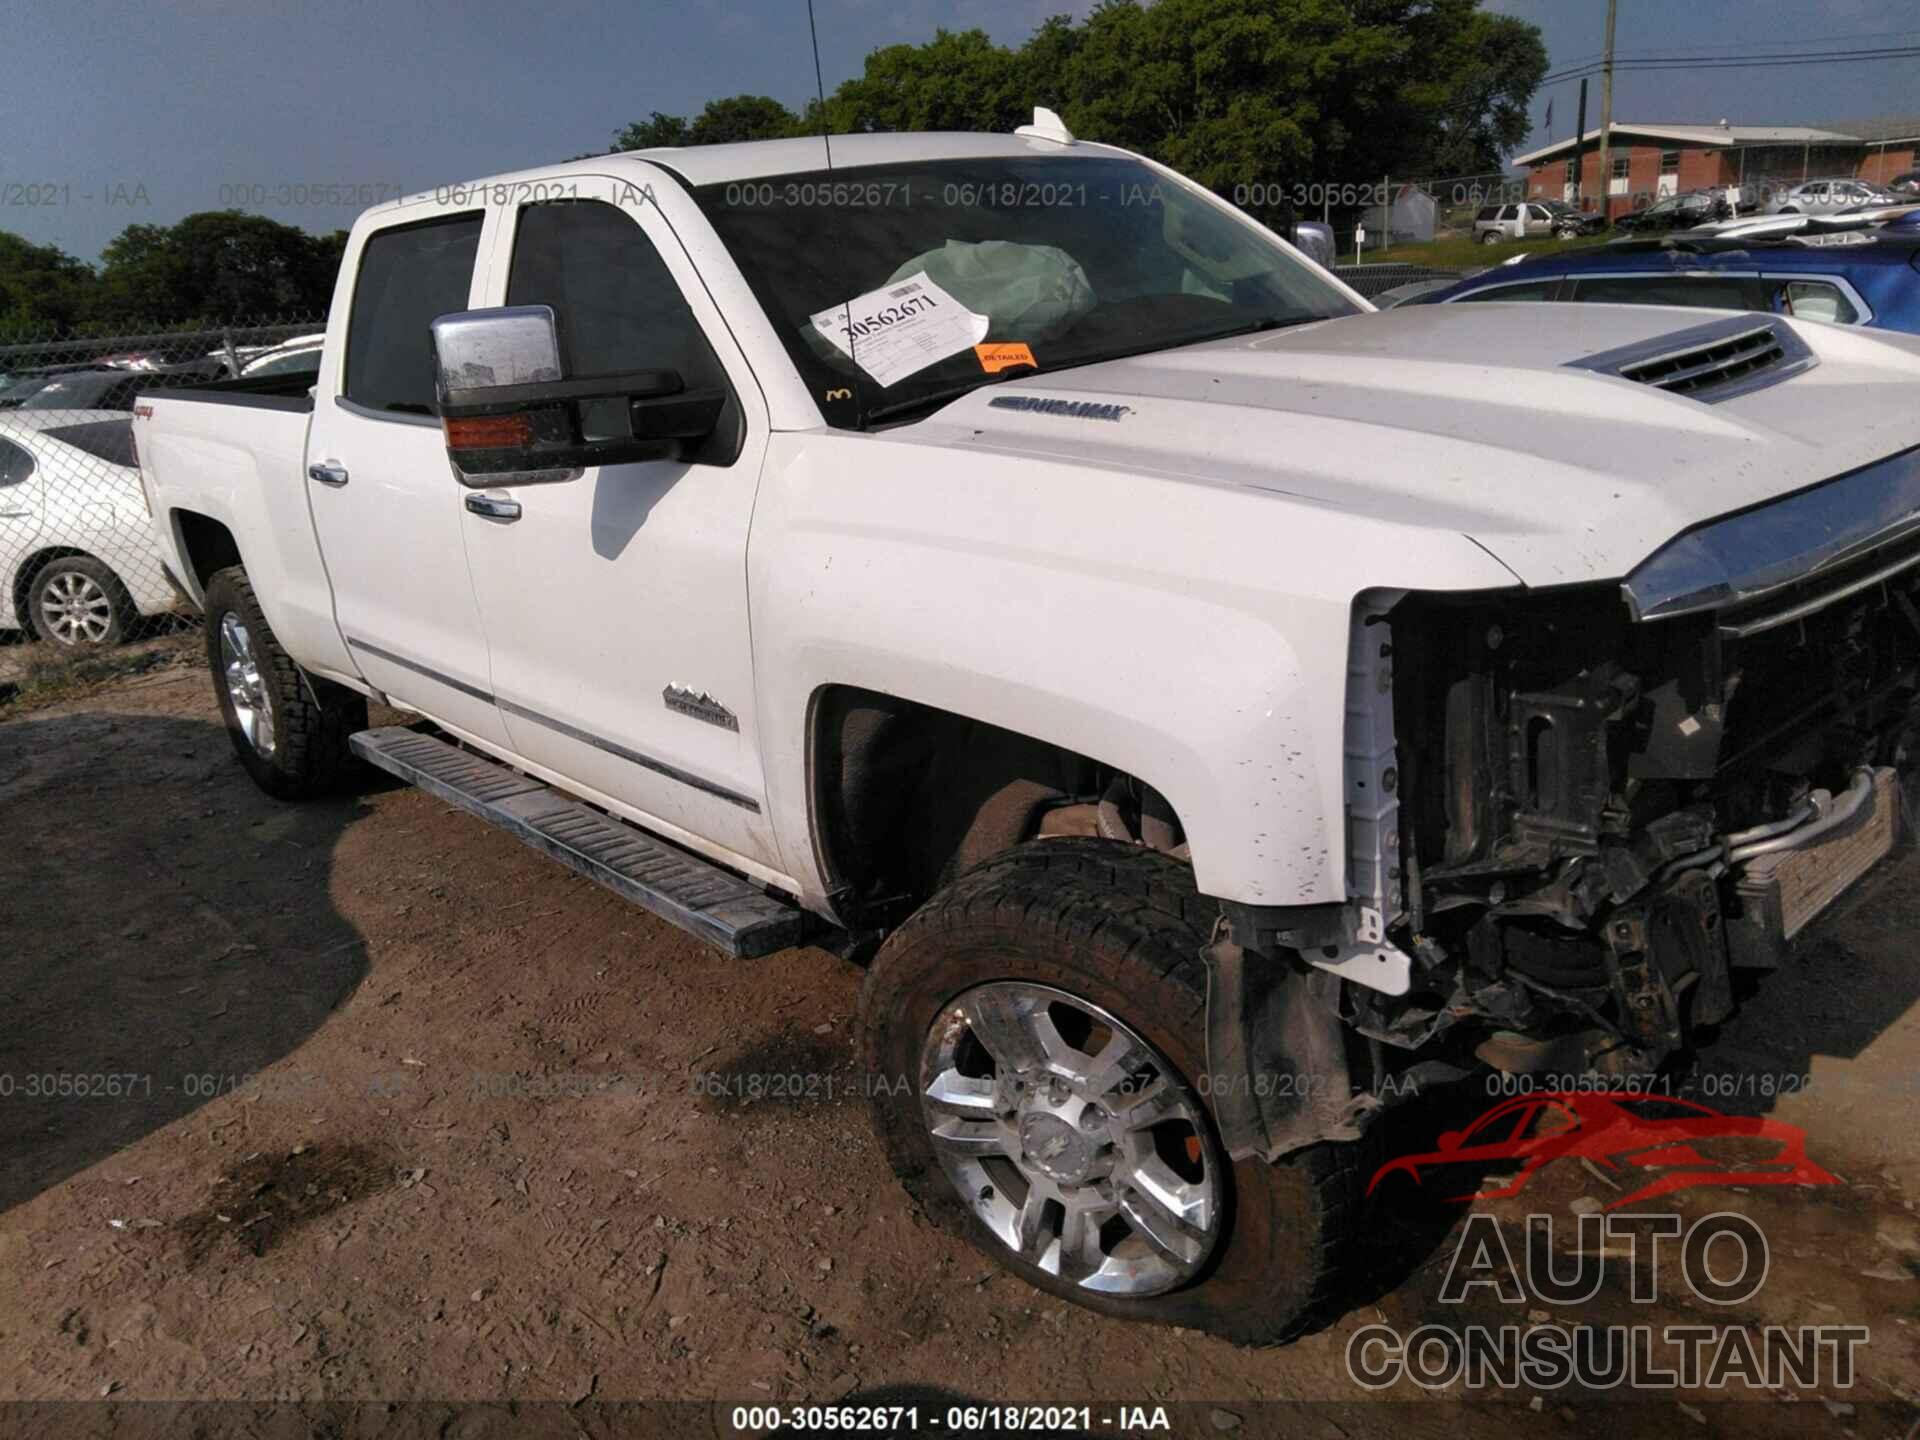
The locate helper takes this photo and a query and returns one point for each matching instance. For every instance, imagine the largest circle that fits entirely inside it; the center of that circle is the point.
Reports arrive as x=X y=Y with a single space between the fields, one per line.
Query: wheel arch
x=206 y=545
x=902 y=796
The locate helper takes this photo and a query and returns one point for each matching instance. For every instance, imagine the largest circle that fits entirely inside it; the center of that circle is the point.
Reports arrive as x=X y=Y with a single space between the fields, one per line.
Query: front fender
x=1193 y=635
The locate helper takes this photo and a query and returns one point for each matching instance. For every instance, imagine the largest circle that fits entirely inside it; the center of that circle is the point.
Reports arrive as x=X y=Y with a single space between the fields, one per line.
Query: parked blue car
x=1865 y=277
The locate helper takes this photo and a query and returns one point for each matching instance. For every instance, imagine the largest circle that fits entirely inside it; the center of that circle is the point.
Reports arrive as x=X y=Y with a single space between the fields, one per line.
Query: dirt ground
x=380 y=1106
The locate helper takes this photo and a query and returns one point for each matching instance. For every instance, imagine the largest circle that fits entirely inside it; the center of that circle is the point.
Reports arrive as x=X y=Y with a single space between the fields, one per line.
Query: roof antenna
x=826 y=139
x=820 y=86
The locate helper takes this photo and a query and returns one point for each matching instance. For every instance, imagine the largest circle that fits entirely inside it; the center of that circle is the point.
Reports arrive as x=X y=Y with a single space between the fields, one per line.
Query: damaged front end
x=1573 y=813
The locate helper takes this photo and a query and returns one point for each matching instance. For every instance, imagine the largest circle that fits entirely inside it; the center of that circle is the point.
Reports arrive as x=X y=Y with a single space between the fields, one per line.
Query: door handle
x=493 y=508
x=328 y=474
x=16 y=514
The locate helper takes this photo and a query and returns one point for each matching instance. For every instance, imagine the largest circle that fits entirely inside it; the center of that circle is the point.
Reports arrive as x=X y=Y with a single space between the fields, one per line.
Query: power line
x=1739 y=62
x=1577 y=63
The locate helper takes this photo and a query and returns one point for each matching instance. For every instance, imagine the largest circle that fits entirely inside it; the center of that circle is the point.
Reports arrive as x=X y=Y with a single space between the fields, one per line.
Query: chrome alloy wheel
x=77 y=607
x=1071 y=1138
x=245 y=687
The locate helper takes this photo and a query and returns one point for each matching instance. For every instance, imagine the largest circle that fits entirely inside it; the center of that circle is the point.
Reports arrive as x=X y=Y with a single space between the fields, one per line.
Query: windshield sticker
x=995 y=358
x=899 y=330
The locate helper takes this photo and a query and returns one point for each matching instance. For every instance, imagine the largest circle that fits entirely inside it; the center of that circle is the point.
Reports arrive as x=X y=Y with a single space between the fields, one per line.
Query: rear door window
x=409 y=276
x=1718 y=292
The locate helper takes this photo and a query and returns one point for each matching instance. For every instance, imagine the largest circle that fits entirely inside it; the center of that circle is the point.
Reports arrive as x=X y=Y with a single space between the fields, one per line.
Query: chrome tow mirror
x=512 y=415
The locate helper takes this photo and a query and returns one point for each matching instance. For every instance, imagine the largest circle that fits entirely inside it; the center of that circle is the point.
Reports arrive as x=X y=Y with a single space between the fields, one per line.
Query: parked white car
x=78 y=561
x=1831 y=196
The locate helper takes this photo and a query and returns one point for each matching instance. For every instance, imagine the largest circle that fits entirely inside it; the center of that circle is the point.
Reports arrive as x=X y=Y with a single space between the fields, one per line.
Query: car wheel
x=289 y=729
x=1490 y=238
x=1035 y=1036
x=78 y=603
x=1788 y=210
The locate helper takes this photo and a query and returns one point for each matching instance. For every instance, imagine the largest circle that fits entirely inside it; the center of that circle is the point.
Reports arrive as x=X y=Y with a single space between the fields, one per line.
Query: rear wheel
x=1490 y=238
x=1040 y=1026
x=78 y=603
x=289 y=729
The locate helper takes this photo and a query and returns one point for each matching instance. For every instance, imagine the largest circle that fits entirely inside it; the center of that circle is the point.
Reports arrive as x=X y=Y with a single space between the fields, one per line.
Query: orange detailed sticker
x=995 y=358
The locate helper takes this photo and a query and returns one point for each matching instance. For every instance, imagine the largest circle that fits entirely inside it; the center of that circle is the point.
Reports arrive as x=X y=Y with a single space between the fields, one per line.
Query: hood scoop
x=1711 y=362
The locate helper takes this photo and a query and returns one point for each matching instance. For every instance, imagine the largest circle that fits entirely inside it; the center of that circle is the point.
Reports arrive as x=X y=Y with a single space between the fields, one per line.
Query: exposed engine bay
x=1600 y=818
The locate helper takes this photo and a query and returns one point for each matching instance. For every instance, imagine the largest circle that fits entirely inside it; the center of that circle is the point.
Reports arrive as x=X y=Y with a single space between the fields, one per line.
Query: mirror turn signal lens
x=489 y=432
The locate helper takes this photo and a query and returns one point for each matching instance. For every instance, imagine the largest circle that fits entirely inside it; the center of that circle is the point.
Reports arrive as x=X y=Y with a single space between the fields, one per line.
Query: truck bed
x=234 y=454
x=288 y=391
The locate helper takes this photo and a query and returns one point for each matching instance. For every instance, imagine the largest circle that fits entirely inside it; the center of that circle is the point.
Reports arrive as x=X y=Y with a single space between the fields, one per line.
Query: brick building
x=1648 y=161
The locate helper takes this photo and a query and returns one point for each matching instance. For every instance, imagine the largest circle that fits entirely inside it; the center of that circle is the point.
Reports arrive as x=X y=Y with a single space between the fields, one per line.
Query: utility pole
x=1579 y=145
x=1606 y=121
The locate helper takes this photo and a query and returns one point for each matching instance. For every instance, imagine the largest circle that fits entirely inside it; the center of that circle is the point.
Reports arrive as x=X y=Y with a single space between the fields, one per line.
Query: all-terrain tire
x=1123 y=927
x=312 y=718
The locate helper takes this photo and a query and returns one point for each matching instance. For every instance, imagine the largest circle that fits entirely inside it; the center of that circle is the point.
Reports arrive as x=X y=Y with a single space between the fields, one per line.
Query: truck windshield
x=941 y=276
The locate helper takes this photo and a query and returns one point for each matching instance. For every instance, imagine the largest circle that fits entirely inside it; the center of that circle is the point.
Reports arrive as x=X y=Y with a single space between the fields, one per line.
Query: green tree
x=42 y=288
x=218 y=264
x=741 y=117
x=959 y=80
x=1251 y=97
x=652 y=133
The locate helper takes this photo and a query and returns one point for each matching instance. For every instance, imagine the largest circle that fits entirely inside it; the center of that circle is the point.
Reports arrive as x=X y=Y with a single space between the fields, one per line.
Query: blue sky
x=138 y=113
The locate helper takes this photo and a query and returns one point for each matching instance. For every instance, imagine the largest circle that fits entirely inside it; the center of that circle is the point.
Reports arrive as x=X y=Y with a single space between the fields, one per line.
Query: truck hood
x=1476 y=419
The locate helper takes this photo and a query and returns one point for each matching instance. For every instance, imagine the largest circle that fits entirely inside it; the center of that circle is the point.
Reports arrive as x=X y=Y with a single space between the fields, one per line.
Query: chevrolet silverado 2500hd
x=1224 y=709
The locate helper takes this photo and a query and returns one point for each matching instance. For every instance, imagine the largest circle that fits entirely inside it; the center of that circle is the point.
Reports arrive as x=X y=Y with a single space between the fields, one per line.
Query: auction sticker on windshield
x=901 y=329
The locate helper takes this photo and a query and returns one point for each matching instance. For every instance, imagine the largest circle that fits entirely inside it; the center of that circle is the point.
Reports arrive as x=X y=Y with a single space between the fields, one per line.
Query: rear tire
x=289 y=729
x=77 y=603
x=1117 y=929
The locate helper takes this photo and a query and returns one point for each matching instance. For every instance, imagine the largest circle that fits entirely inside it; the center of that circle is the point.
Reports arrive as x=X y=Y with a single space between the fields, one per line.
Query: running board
x=677 y=885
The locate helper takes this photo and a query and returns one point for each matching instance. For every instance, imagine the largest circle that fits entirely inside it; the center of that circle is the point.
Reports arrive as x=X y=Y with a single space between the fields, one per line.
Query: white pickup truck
x=1217 y=710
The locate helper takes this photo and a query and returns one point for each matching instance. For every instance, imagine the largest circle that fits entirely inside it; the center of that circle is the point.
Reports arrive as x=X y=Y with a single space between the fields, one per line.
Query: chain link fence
x=80 y=572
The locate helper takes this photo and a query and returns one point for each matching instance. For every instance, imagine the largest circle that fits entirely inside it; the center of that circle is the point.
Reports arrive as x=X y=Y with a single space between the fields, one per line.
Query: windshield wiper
x=935 y=399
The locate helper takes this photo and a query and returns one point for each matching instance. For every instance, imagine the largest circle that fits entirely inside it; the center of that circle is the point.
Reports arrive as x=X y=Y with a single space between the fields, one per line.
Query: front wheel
x=289 y=729
x=1040 y=1027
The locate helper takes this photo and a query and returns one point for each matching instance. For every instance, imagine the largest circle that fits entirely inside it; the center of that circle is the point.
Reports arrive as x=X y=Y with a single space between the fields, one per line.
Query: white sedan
x=78 y=564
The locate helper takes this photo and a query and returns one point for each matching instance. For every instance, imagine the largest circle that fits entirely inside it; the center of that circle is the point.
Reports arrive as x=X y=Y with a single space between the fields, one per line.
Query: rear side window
x=409 y=277
x=1818 y=300
x=1538 y=290
x=108 y=440
x=1488 y=212
x=15 y=464
x=1703 y=290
